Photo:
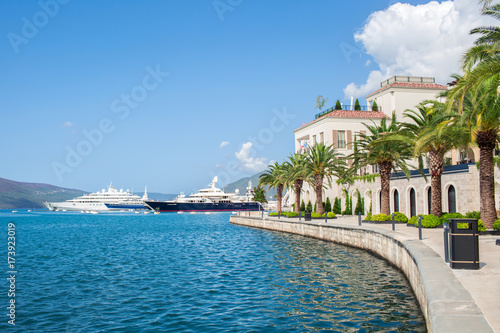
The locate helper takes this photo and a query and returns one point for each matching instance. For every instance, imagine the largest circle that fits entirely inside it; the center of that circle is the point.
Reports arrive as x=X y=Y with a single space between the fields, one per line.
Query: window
x=314 y=139
x=396 y=201
x=452 y=205
x=429 y=200
x=375 y=168
x=341 y=139
x=321 y=138
x=413 y=208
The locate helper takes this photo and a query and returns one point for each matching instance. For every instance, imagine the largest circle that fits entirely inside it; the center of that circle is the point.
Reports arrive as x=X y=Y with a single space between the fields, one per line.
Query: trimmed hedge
x=448 y=216
x=380 y=218
x=400 y=217
x=428 y=221
x=293 y=214
x=496 y=225
x=317 y=215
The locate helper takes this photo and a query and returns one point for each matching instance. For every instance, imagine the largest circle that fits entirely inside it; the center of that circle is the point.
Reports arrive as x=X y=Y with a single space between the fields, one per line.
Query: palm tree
x=322 y=162
x=430 y=132
x=296 y=176
x=482 y=61
x=480 y=114
x=275 y=177
x=387 y=154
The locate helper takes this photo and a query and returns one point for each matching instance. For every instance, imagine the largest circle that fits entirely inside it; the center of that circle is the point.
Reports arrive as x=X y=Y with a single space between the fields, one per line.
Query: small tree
x=374 y=106
x=259 y=194
x=338 y=106
x=357 y=107
x=337 y=206
x=320 y=102
x=328 y=205
x=315 y=206
x=360 y=205
x=348 y=204
x=302 y=206
x=309 y=206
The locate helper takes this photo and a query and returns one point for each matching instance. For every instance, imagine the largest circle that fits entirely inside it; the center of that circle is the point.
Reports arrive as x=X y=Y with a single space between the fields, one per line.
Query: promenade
x=483 y=284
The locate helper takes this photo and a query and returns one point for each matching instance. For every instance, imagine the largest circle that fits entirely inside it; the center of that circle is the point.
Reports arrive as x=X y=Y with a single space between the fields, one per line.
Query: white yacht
x=110 y=200
x=208 y=200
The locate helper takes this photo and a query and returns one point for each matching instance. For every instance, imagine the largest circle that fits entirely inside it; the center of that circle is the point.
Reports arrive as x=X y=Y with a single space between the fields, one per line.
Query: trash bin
x=307 y=215
x=464 y=244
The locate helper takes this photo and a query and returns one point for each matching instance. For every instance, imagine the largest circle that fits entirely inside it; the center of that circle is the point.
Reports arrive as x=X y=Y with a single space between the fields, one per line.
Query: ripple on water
x=198 y=273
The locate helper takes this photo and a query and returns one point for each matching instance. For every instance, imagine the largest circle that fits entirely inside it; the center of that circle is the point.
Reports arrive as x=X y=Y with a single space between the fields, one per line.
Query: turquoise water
x=193 y=273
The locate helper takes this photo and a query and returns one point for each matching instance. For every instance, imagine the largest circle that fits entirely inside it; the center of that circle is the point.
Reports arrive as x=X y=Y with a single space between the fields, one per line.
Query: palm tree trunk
x=486 y=144
x=318 y=188
x=385 y=177
x=297 y=188
x=279 y=189
x=436 y=168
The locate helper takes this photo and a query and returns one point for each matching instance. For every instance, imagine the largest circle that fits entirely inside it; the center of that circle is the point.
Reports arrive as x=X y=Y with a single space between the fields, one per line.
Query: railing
x=345 y=108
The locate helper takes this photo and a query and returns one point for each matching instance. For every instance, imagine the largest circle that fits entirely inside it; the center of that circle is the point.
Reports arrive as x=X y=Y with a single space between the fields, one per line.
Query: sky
x=169 y=94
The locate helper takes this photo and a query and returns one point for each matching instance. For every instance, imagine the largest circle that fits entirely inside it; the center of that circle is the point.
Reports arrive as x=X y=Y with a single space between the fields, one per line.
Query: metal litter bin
x=464 y=244
x=307 y=215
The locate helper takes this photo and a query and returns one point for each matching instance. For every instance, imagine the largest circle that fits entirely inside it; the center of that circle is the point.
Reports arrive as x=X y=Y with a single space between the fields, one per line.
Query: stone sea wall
x=446 y=305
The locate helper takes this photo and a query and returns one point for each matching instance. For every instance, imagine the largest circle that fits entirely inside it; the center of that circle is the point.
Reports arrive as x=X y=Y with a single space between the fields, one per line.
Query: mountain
x=242 y=185
x=32 y=195
x=17 y=195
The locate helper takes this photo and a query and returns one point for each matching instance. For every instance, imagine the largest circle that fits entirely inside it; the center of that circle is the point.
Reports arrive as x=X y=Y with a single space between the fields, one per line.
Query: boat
x=102 y=201
x=211 y=199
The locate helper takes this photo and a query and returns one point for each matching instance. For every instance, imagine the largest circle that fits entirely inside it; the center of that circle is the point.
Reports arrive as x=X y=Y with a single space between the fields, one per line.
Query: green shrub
x=338 y=106
x=480 y=226
x=374 y=106
x=360 y=205
x=331 y=215
x=414 y=220
x=302 y=206
x=273 y=214
x=337 y=206
x=400 y=217
x=430 y=221
x=496 y=225
x=328 y=205
x=368 y=217
x=317 y=215
x=447 y=216
x=380 y=218
x=473 y=215
x=309 y=206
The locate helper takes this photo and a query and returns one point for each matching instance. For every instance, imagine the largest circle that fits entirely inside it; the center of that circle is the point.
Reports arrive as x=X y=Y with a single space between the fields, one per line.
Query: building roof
x=409 y=85
x=349 y=114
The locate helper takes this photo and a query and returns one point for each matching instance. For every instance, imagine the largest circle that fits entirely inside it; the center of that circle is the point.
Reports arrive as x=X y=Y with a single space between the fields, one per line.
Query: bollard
x=420 y=227
x=326 y=217
x=248 y=213
x=446 y=230
x=279 y=214
x=262 y=214
x=359 y=218
x=300 y=213
x=393 y=223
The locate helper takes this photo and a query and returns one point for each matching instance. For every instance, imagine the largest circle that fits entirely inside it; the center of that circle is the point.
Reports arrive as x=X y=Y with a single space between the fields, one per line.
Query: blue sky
x=169 y=94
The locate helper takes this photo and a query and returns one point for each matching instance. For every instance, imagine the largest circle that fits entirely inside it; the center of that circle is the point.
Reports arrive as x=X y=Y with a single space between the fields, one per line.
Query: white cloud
x=249 y=163
x=423 y=40
x=223 y=144
x=68 y=124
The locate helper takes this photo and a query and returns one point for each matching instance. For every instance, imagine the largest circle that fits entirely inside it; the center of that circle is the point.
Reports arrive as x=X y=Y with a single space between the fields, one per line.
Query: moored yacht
x=110 y=200
x=211 y=199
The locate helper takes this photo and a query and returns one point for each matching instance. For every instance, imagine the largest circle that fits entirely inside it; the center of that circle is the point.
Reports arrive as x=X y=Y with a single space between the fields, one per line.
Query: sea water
x=190 y=273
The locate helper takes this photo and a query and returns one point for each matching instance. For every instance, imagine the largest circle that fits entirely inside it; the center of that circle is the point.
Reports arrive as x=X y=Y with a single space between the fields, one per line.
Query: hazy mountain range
x=16 y=195
x=242 y=185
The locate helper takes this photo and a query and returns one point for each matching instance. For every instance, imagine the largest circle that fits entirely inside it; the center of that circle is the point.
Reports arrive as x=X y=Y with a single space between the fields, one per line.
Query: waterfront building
x=460 y=180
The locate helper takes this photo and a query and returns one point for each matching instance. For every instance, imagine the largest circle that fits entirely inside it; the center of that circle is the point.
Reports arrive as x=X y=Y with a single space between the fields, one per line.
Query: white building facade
x=460 y=181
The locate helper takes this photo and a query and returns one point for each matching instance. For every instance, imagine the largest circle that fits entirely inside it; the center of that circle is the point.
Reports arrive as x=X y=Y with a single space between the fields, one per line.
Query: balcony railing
x=345 y=108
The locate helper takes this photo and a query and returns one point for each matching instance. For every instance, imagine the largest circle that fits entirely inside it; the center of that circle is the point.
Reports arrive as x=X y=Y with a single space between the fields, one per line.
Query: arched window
x=396 y=201
x=413 y=205
x=452 y=203
x=429 y=199
x=380 y=201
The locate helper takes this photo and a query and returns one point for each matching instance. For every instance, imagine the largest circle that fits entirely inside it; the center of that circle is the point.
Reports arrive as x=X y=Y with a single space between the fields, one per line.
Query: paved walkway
x=482 y=284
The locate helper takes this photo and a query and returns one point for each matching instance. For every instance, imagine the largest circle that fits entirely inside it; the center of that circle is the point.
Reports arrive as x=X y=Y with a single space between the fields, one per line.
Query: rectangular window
x=314 y=139
x=341 y=139
x=321 y=138
x=375 y=168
